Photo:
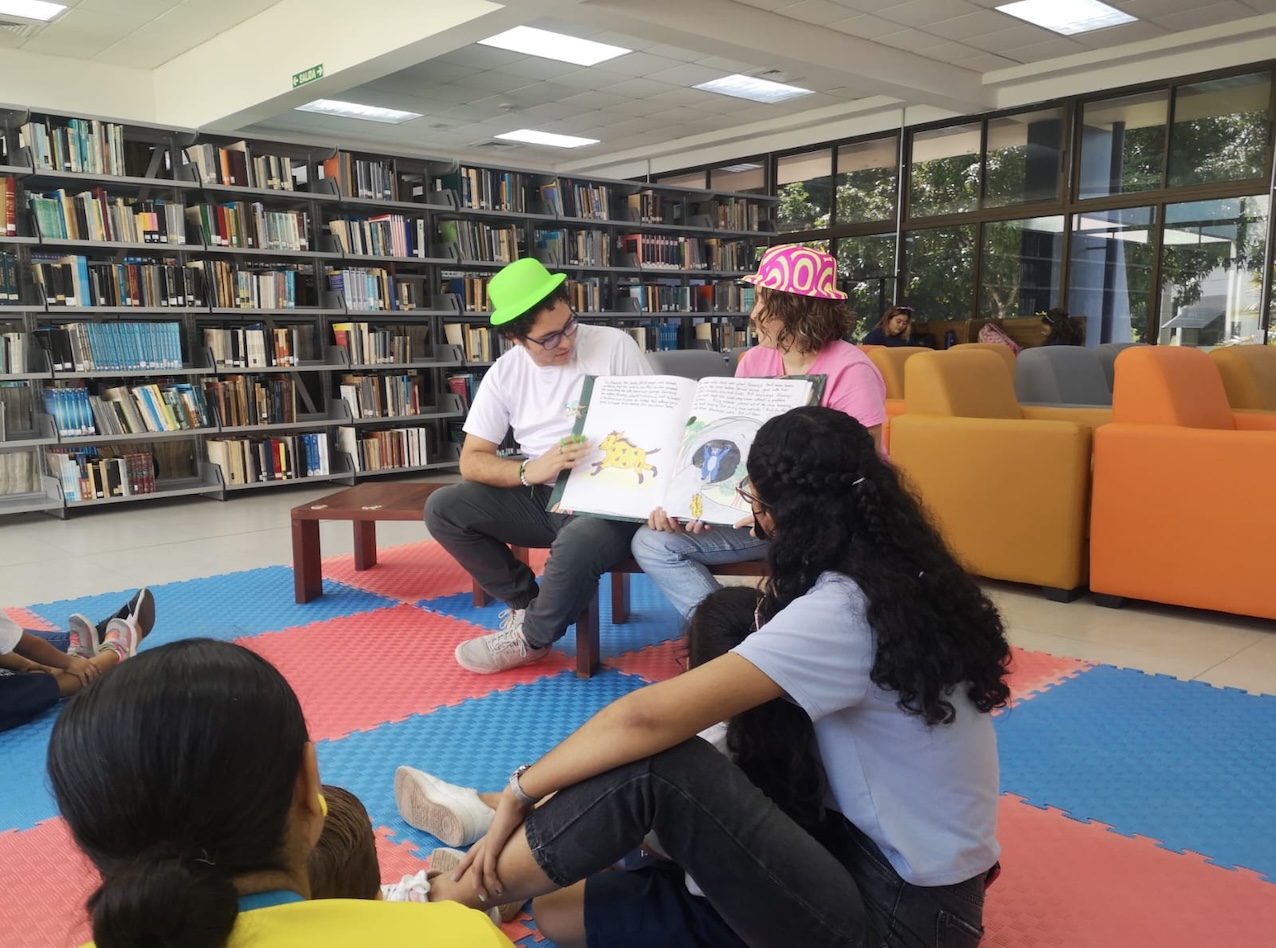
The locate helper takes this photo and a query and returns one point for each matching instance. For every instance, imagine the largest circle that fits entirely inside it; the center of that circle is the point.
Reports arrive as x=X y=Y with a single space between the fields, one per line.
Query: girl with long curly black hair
x=870 y=626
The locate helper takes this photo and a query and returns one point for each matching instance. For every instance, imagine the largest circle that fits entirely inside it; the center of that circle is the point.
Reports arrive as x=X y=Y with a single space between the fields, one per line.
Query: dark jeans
x=772 y=882
x=476 y=523
x=23 y=695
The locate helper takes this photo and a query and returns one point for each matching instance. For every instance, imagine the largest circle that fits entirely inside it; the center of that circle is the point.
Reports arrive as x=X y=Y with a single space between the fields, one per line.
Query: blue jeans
x=678 y=563
x=772 y=882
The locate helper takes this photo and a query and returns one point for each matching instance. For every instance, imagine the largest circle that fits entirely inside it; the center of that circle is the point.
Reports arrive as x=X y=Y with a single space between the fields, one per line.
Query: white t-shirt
x=540 y=402
x=926 y=795
x=10 y=634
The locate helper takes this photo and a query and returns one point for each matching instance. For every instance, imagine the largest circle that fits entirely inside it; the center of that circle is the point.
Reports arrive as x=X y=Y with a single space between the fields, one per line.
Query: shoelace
x=507 y=639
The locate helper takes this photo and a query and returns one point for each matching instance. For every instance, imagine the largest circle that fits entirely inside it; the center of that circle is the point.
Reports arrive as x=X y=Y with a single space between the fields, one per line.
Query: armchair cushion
x=1170 y=385
x=1249 y=375
x=963 y=381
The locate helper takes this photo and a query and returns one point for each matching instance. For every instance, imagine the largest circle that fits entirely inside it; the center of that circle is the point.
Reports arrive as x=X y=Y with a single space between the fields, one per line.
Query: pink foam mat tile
x=46 y=881
x=397 y=858
x=407 y=573
x=29 y=620
x=1078 y=885
x=1033 y=673
x=653 y=663
x=354 y=673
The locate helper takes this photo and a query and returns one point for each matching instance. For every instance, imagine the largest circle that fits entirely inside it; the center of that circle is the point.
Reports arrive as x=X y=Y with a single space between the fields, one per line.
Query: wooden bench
x=365 y=504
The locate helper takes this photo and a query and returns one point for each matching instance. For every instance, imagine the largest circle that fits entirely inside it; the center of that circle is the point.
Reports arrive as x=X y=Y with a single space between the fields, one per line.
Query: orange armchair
x=890 y=362
x=1249 y=376
x=1010 y=494
x=1178 y=514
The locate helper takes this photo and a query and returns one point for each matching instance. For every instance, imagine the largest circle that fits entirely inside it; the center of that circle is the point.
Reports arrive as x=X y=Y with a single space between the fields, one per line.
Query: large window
x=944 y=171
x=867 y=180
x=804 y=184
x=1110 y=273
x=867 y=267
x=939 y=268
x=695 y=179
x=1123 y=144
x=1212 y=255
x=1021 y=267
x=1025 y=158
x=745 y=177
x=1220 y=130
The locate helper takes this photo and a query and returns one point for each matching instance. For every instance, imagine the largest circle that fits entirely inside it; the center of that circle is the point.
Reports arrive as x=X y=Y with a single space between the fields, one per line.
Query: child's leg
x=24 y=695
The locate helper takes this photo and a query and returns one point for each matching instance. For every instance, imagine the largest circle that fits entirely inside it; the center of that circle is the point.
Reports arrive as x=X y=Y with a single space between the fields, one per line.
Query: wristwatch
x=517 y=790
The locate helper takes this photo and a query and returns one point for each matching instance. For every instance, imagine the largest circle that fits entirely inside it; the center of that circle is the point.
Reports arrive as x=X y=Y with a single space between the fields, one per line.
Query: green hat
x=518 y=287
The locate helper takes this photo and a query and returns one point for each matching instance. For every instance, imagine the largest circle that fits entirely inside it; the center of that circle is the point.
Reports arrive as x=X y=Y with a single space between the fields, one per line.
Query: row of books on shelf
x=579 y=248
x=8 y=207
x=373 y=289
x=571 y=199
x=248 y=285
x=250 y=226
x=386 y=235
x=75 y=280
x=10 y=288
x=656 y=337
x=383 y=450
x=738 y=214
x=479 y=343
x=463 y=386
x=382 y=396
x=19 y=473
x=364 y=178
x=88 y=146
x=278 y=458
x=95 y=215
x=241 y=400
x=665 y=252
x=476 y=240
x=112 y=346
x=234 y=165
x=15 y=355
x=486 y=189
x=92 y=474
x=126 y=409
x=367 y=344
x=259 y=347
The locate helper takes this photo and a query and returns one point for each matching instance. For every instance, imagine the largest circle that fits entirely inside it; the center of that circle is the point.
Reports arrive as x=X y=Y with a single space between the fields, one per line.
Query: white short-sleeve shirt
x=10 y=634
x=540 y=402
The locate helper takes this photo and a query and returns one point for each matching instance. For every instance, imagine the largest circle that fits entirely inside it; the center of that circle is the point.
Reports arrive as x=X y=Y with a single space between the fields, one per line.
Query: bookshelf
x=214 y=315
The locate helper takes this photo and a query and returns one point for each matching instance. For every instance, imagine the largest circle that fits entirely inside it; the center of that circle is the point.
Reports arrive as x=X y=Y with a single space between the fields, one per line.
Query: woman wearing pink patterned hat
x=801 y=319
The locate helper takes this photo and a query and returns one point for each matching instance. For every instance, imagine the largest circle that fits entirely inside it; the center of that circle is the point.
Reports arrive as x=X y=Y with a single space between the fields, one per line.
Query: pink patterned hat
x=798 y=270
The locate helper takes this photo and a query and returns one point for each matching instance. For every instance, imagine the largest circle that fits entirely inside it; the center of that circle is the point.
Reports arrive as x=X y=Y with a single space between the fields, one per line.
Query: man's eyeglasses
x=551 y=342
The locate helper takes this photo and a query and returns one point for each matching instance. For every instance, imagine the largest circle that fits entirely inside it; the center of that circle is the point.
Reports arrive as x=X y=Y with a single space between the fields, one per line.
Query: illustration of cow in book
x=619 y=452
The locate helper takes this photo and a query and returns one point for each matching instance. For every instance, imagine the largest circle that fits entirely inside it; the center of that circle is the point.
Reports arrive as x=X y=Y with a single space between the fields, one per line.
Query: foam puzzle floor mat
x=1136 y=809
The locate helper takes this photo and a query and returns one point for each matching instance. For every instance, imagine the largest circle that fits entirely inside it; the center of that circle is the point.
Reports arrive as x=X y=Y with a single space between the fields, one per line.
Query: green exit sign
x=307 y=75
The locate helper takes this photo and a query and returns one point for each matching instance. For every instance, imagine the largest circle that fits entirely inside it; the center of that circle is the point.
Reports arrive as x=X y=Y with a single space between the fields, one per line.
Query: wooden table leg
x=365 y=544
x=307 y=566
x=587 y=640
x=481 y=598
x=620 y=598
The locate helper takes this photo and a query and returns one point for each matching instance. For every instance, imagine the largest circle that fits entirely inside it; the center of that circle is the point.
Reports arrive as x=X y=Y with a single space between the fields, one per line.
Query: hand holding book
x=565 y=457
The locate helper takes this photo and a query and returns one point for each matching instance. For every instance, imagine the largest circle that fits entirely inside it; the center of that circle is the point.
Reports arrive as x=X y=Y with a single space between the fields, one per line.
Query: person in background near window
x=895 y=328
x=1059 y=330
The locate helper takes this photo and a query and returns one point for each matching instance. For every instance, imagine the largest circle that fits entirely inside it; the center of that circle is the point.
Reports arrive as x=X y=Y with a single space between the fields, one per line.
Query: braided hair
x=837 y=506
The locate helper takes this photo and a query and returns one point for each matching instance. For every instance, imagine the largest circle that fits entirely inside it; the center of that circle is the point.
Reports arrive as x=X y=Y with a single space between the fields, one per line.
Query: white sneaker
x=416 y=888
x=500 y=650
x=83 y=639
x=454 y=814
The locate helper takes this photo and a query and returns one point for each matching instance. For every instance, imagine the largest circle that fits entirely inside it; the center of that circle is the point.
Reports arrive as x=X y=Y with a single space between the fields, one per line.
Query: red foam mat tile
x=407 y=573
x=45 y=881
x=1067 y=884
x=653 y=663
x=1032 y=673
x=357 y=672
x=29 y=620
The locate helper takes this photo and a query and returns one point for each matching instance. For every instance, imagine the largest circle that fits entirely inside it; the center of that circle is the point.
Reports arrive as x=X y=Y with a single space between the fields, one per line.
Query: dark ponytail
x=176 y=773
x=838 y=507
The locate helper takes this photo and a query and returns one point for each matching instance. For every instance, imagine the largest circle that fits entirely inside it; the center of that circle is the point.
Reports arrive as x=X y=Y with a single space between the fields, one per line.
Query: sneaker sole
x=445 y=860
x=421 y=810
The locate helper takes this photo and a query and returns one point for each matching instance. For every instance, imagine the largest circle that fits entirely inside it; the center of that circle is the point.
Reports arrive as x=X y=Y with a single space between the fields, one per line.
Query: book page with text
x=634 y=424
x=725 y=416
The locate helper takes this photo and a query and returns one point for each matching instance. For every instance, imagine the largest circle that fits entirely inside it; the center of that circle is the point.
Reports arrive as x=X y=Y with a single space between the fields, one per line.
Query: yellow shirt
x=346 y=923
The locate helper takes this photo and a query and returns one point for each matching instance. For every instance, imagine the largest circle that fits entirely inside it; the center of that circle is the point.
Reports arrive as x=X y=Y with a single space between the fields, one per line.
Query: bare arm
x=38 y=650
x=480 y=463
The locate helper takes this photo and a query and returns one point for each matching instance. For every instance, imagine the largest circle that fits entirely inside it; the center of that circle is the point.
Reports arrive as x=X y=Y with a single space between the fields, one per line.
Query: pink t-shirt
x=852 y=382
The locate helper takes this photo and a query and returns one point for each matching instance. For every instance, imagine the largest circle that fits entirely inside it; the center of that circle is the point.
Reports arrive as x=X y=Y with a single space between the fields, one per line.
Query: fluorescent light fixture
x=533 y=137
x=741 y=167
x=753 y=88
x=369 y=113
x=31 y=9
x=550 y=45
x=1068 y=17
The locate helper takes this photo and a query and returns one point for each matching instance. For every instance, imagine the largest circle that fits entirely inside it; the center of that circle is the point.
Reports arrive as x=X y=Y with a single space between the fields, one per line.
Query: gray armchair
x=1061 y=375
x=691 y=363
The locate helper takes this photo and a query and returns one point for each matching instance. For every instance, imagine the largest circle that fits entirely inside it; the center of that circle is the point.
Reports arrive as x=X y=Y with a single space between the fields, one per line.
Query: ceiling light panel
x=354 y=110
x=753 y=88
x=550 y=45
x=1068 y=17
x=533 y=137
x=31 y=9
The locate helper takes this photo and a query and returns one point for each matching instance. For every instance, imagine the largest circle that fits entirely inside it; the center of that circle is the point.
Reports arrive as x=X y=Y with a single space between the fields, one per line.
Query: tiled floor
x=44 y=559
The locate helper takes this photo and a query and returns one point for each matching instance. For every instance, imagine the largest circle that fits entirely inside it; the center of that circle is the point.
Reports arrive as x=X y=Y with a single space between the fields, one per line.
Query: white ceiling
x=858 y=55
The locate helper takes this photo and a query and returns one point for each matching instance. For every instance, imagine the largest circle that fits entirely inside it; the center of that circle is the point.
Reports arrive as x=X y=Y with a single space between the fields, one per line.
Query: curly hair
x=774 y=743
x=521 y=326
x=837 y=506
x=806 y=324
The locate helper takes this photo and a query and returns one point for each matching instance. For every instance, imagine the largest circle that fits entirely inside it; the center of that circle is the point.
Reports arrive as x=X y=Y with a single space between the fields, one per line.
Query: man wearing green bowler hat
x=533 y=389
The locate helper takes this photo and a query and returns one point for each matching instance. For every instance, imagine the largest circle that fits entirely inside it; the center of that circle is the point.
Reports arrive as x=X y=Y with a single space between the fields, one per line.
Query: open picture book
x=664 y=441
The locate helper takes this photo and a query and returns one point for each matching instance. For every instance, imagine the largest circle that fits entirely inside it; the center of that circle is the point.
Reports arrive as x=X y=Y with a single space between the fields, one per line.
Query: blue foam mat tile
x=1179 y=762
x=651 y=618
x=475 y=743
x=248 y=603
x=25 y=796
